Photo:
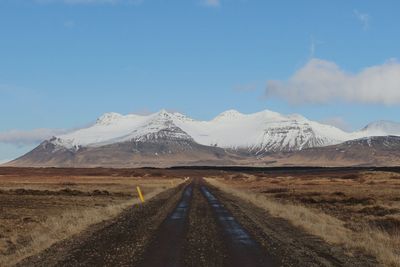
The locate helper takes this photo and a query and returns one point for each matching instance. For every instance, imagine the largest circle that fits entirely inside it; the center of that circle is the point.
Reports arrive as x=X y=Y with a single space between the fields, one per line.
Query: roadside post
x=140 y=194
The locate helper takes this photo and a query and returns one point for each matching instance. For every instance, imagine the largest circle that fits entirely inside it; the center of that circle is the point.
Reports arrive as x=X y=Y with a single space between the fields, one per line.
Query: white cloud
x=321 y=81
x=364 y=18
x=35 y=136
x=338 y=122
x=212 y=3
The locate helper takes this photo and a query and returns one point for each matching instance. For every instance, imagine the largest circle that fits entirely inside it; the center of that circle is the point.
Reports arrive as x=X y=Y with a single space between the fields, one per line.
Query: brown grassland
x=356 y=209
x=41 y=207
x=359 y=210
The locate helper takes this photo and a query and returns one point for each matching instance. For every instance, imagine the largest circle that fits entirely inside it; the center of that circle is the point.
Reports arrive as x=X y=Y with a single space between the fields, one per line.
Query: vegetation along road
x=195 y=224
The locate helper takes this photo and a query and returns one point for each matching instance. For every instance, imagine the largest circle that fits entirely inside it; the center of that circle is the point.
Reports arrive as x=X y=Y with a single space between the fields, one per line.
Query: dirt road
x=195 y=225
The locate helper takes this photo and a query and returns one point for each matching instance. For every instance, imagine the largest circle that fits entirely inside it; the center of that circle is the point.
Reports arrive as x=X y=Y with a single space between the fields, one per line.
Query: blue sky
x=63 y=63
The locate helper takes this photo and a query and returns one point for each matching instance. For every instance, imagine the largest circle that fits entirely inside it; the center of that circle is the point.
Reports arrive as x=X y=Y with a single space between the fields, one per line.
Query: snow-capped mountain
x=366 y=151
x=114 y=128
x=170 y=138
x=381 y=128
x=257 y=133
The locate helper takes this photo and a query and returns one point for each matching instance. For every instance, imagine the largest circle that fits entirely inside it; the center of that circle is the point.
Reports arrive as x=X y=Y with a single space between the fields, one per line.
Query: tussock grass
x=67 y=224
x=385 y=247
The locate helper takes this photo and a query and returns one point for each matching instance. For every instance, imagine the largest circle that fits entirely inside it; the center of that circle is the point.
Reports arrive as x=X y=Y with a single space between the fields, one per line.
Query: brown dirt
x=204 y=245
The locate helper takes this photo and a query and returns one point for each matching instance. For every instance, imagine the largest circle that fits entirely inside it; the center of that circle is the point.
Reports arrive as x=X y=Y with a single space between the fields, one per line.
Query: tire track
x=243 y=250
x=204 y=246
x=167 y=247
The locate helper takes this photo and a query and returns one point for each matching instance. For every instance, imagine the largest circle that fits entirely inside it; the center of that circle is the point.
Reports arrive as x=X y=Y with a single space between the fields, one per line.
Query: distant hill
x=367 y=151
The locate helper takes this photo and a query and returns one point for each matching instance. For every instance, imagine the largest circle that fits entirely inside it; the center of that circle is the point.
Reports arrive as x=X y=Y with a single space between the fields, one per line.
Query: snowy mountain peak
x=269 y=115
x=297 y=117
x=229 y=115
x=163 y=113
x=108 y=118
x=171 y=116
x=382 y=128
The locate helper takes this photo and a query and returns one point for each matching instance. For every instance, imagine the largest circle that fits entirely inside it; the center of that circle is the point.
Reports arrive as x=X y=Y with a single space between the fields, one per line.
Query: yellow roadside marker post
x=140 y=194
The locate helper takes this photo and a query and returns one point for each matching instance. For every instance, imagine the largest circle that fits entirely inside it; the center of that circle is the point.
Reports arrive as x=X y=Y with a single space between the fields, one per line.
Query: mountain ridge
x=265 y=130
x=236 y=136
x=365 y=151
x=229 y=129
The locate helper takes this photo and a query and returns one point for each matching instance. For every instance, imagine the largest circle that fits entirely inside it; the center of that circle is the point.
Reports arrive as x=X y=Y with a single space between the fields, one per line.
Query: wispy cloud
x=338 y=122
x=364 y=18
x=212 y=3
x=19 y=137
x=321 y=81
x=314 y=43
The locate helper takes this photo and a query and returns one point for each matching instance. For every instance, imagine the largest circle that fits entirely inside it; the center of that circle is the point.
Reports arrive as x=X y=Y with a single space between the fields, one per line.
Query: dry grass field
x=41 y=207
x=359 y=210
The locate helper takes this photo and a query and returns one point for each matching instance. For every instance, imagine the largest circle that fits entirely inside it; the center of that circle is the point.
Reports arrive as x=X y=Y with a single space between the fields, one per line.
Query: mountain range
x=232 y=138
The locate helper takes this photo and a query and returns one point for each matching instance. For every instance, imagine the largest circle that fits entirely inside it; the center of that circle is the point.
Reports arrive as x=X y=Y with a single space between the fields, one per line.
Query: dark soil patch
x=318 y=198
x=352 y=176
x=335 y=201
x=378 y=211
x=390 y=225
x=62 y=192
x=339 y=194
x=275 y=190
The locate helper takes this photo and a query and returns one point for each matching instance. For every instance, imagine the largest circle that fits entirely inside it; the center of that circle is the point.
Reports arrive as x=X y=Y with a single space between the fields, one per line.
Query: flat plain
x=295 y=217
